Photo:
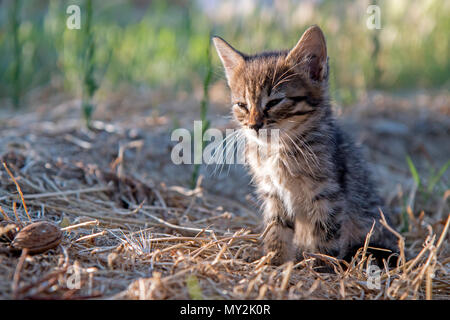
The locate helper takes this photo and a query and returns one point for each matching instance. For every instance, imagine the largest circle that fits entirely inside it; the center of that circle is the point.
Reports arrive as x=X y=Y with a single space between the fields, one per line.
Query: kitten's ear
x=229 y=56
x=311 y=50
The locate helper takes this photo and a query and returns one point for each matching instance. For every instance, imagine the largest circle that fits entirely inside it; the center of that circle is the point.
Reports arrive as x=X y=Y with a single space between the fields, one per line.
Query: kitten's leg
x=319 y=230
x=280 y=236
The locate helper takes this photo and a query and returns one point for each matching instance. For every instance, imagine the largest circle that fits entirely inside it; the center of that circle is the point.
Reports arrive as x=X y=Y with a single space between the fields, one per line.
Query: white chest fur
x=273 y=179
x=295 y=193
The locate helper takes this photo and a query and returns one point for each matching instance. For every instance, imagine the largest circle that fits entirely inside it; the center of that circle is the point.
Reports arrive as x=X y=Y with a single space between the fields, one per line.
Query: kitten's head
x=278 y=90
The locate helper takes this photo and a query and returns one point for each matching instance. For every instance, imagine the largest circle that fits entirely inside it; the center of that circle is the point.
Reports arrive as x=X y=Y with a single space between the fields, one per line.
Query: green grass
x=88 y=51
x=194 y=289
x=436 y=177
x=204 y=108
x=163 y=44
x=17 y=49
x=413 y=170
x=426 y=187
x=432 y=180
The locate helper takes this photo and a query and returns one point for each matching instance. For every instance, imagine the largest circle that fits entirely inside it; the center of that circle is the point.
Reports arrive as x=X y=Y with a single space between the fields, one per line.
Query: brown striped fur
x=315 y=187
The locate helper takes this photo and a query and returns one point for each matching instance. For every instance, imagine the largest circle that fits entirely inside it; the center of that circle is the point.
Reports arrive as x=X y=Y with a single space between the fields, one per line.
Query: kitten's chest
x=273 y=177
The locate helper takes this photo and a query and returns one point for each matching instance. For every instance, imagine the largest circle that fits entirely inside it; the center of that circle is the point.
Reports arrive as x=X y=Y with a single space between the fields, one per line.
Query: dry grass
x=151 y=249
x=130 y=238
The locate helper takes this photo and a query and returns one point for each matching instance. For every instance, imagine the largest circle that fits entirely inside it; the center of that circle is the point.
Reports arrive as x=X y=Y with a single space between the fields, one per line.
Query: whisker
x=284 y=80
x=309 y=150
x=220 y=149
x=281 y=77
x=306 y=158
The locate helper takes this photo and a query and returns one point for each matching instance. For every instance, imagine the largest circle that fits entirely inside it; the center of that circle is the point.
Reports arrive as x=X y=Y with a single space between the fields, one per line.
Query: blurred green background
x=154 y=44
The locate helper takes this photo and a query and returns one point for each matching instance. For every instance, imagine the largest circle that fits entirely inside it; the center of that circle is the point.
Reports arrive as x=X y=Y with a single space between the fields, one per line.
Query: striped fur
x=315 y=188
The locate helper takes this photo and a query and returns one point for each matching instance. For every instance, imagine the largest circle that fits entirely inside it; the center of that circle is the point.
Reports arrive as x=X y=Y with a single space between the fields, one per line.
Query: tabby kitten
x=316 y=190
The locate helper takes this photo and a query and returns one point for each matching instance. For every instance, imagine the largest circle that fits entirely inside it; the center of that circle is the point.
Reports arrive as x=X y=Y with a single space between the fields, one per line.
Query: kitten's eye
x=242 y=105
x=272 y=103
x=298 y=98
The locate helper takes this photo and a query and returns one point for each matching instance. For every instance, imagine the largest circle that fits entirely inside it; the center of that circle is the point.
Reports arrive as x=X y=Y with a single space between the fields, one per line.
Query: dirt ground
x=147 y=235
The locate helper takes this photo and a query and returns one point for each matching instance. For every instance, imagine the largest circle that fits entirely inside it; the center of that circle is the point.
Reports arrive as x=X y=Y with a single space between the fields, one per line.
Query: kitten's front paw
x=278 y=259
x=281 y=245
x=252 y=255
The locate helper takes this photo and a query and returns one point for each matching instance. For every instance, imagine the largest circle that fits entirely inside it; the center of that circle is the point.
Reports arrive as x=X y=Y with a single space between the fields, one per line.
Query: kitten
x=316 y=190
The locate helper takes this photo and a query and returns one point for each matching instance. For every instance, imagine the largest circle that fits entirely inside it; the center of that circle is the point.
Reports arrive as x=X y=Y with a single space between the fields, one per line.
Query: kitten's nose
x=256 y=126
